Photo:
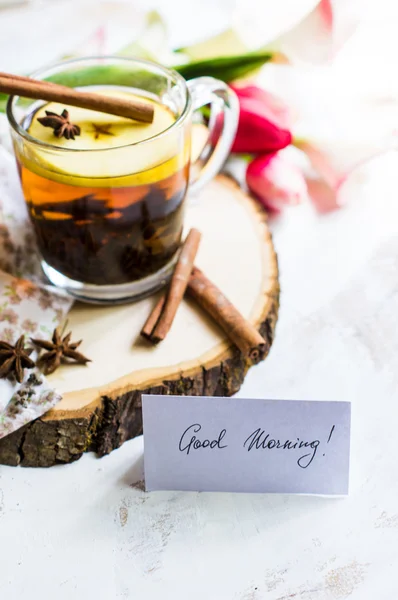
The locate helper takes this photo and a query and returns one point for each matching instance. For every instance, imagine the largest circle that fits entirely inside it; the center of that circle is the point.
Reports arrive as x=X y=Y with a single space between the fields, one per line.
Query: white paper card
x=246 y=445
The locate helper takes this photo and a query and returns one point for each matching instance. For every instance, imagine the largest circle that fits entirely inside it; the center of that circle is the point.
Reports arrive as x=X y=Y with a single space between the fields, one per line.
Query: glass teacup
x=108 y=207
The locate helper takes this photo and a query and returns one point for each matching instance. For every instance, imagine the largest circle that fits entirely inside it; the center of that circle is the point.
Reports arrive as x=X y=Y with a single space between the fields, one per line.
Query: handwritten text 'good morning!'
x=257 y=440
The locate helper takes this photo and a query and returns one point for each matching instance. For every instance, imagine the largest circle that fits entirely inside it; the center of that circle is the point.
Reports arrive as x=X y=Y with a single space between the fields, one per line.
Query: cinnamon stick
x=178 y=285
x=239 y=330
x=26 y=79
x=153 y=318
x=52 y=92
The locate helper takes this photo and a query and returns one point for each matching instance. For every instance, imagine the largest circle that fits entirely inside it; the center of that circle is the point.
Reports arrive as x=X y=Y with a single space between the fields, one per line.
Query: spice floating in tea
x=59 y=351
x=60 y=124
x=101 y=129
x=14 y=359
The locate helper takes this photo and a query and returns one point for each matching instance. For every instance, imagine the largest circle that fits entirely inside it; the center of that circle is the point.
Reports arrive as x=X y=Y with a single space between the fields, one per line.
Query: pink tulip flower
x=325 y=180
x=338 y=127
x=310 y=31
x=276 y=181
x=264 y=122
x=322 y=33
x=333 y=167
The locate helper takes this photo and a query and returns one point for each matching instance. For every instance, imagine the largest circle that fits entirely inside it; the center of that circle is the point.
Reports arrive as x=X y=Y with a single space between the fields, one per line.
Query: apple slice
x=108 y=147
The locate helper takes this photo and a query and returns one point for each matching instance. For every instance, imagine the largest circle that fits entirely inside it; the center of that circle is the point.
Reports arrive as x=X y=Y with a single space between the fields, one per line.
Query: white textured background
x=82 y=531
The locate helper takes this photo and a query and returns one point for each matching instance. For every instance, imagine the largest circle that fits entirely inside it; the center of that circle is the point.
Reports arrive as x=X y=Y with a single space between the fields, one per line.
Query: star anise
x=59 y=350
x=14 y=359
x=61 y=124
x=103 y=129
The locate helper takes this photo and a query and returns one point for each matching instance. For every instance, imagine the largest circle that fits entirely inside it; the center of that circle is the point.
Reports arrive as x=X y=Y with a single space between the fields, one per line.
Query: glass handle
x=223 y=122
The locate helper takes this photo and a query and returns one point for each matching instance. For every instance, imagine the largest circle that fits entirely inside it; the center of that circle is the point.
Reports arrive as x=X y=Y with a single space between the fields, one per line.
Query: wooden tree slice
x=101 y=405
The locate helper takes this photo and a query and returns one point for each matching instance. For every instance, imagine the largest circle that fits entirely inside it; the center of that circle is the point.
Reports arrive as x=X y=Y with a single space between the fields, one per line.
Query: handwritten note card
x=246 y=445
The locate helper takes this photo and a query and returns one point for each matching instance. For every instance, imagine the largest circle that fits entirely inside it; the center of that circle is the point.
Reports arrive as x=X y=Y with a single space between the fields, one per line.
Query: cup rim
x=140 y=61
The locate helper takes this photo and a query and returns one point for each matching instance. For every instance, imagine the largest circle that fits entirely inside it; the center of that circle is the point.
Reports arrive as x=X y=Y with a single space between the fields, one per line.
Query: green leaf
x=227 y=68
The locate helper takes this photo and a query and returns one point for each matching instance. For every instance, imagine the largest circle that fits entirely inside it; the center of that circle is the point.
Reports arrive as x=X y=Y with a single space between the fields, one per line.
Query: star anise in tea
x=59 y=351
x=101 y=129
x=60 y=124
x=14 y=359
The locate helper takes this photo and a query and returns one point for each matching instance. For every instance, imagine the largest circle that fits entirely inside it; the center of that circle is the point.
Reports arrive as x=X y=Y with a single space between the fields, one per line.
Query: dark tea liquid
x=106 y=235
x=105 y=230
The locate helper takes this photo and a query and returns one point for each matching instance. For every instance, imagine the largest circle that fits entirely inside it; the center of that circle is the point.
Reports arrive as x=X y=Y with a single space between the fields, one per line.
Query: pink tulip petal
x=260 y=22
x=324 y=183
x=324 y=197
x=326 y=11
x=322 y=164
x=278 y=110
x=264 y=122
x=326 y=180
x=323 y=32
x=276 y=181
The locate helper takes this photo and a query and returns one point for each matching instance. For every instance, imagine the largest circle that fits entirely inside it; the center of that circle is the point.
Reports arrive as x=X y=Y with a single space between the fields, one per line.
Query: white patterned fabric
x=27 y=305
